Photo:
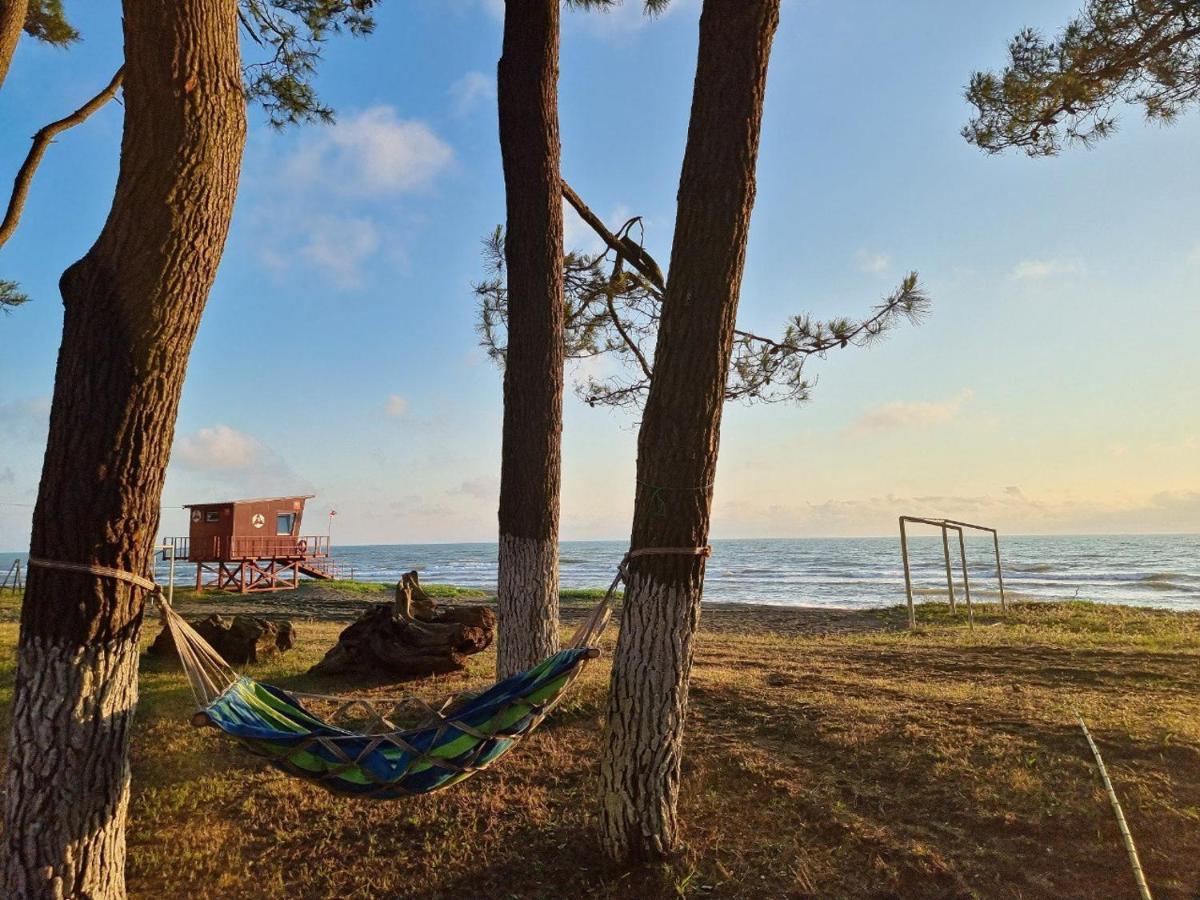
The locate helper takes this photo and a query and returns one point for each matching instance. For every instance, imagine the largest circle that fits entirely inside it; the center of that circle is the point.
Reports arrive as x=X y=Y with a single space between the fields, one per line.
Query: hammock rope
x=451 y=739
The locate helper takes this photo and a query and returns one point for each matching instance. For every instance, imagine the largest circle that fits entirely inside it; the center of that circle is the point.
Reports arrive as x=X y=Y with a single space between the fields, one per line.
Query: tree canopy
x=613 y=305
x=1065 y=91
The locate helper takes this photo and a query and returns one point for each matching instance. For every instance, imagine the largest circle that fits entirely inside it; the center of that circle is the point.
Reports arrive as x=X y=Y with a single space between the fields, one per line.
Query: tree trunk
x=530 y=472
x=12 y=21
x=677 y=443
x=132 y=306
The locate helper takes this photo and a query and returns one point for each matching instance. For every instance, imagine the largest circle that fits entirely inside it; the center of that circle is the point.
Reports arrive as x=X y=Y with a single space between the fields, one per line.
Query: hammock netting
x=454 y=745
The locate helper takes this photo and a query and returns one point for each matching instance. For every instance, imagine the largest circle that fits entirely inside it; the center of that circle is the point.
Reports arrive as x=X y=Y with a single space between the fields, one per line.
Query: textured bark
x=12 y=20
x=528 y=579
x=73 y=842
x=530 y=472
x=680 y=431
x=132 y=306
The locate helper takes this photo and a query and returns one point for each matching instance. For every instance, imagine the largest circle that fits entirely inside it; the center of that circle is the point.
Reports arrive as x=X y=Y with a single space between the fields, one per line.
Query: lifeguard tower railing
x=946 y=526
x=226 y=548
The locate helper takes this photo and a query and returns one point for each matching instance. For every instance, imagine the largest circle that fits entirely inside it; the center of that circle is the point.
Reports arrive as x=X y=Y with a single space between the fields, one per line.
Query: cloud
x=893 y=416
x=326 y=205
x=1010 y=509
x=219 y=447
x=370 y=152
x=26 y=419
x=339 y=246
x=875 y=263
x=220 y=460
x=485 y=487
x=471 y=90
x=397 y=405
x=1030 y=269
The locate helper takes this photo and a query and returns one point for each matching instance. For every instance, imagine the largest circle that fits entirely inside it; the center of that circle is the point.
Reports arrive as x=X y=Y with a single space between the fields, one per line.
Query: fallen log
x=411 y=637
x=239 y=640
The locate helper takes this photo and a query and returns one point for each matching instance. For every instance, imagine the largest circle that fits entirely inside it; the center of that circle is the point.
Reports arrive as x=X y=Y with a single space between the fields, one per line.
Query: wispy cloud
x=874 y=262
x=468 y=92
x=1011 y=509
x=893 y=416
x=221 y=458
x=1030 y=269
x=396 y=406
x=218 y=447
x=482 y=488
x=26 y=419
x=325 y=205
x=370 y=152
x=339 y=246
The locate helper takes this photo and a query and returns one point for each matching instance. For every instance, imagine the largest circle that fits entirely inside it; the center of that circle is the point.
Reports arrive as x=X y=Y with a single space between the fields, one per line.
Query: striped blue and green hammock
x=449 y=742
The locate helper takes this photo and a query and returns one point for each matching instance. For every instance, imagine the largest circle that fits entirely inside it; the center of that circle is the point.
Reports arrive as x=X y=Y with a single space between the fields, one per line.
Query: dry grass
x=828 y=756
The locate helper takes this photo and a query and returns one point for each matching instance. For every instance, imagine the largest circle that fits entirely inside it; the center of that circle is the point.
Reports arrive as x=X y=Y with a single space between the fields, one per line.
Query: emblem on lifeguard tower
x=195 y=515
x=258 y=520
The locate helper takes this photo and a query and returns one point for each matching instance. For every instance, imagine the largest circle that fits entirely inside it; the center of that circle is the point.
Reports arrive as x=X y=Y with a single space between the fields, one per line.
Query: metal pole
x=912 y=613
x=171 y=582
x=949 y=576
x=962 y=549
x=999 y=573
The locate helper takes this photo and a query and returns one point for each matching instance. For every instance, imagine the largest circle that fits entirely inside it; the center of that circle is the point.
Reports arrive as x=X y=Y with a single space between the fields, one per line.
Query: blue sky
x=1053 y=389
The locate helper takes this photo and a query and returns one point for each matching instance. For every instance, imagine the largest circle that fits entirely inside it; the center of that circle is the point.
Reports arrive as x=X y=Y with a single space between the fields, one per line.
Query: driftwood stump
x=240 y=640
x=411 y=637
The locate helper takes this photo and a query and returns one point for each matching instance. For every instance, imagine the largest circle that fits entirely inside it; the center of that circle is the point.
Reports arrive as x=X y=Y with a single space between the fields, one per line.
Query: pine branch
x=41 y=141
x=617 y=314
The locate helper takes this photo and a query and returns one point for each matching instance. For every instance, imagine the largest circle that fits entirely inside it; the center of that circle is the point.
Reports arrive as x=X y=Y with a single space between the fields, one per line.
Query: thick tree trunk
x=677 y=443
x=527 y=88
x=12 y=20
x=132 y=306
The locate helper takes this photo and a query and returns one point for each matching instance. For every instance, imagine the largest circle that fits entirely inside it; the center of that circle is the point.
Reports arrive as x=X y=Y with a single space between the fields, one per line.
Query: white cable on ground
x=1138 y=875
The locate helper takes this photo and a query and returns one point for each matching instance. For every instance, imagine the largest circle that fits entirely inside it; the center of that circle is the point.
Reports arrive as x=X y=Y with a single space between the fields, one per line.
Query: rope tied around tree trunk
x=99 y=571
x=207 y=673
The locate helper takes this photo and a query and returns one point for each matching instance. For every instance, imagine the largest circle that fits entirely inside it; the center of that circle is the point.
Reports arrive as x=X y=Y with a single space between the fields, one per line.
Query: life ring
x=302 y=545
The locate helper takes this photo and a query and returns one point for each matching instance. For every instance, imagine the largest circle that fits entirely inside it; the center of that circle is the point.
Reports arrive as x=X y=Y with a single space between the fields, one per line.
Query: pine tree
x=679 y=435
x=1054 y=93
x=132 y=305
x=530 y=473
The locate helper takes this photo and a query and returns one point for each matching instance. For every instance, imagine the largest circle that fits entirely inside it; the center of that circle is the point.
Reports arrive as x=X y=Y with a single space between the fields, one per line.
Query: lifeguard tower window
x=212 y=516
x=284 y=523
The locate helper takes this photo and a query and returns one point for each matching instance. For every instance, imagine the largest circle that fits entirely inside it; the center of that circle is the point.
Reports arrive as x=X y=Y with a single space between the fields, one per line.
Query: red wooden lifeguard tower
x=248 y=546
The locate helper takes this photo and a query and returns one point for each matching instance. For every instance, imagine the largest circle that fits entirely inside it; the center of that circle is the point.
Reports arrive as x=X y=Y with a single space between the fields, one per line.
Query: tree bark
x=530 y=472
x=12 y=21
x=680 y=431
x=132 y=307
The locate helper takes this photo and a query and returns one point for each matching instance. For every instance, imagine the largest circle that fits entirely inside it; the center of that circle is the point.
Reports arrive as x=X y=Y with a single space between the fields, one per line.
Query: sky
x=1053 y=389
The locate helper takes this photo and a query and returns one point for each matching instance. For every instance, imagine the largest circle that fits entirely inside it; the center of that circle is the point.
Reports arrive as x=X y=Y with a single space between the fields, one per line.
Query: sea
x=1141 y=570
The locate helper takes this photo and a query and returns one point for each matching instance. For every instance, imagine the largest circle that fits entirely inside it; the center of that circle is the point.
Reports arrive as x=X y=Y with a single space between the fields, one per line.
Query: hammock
x=361 y=748
x=374 y=747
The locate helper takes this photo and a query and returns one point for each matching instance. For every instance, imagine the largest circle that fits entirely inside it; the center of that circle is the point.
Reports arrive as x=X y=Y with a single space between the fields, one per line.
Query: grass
x=867 y=762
